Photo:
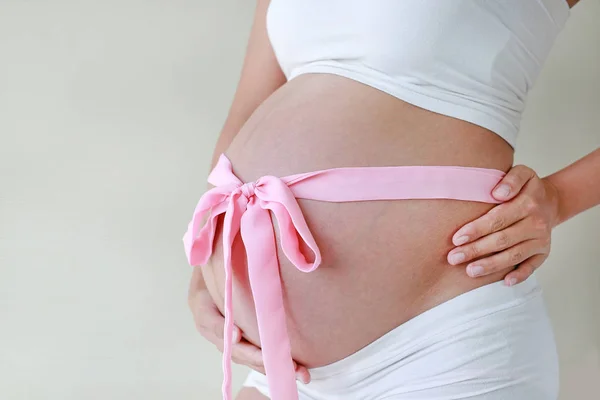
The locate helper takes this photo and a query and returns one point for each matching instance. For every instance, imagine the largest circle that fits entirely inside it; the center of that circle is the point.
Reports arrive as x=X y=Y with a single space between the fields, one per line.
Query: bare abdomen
x=383 y=261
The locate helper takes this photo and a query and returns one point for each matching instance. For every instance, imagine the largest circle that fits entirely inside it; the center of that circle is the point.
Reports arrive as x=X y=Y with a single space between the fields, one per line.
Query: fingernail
x=502 y=190
x=461 y=240
x=512 y=282
x=474 y=270
x=456 y=258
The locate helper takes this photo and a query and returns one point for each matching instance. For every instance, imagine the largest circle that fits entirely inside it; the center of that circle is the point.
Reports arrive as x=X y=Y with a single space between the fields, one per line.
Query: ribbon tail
x=265 y=282
x=231 y=226
x=198 y=242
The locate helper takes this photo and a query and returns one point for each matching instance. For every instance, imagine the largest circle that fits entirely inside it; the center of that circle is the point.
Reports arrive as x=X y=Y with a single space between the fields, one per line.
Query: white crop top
x=474 y=60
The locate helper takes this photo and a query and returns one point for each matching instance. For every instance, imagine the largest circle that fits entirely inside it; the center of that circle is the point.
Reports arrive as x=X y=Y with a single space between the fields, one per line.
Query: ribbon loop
x=275 y=195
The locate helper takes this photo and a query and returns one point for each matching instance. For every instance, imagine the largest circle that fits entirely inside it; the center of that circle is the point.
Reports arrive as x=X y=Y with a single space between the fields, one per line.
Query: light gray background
x=108 y=114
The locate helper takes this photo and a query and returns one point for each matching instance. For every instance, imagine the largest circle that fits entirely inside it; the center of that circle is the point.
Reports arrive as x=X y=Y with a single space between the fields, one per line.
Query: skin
x=262 y=88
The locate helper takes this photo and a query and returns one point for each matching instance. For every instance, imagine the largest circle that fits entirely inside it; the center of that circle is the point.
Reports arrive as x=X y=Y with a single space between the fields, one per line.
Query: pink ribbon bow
x=246 y=207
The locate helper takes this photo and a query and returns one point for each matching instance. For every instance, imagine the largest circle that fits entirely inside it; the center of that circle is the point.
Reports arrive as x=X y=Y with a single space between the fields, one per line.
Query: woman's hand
x=515 y=233
x=210 y=323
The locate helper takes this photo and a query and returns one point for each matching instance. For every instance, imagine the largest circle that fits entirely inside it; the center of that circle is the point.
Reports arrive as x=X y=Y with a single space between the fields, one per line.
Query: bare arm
x=578 y=186
x=261 y=76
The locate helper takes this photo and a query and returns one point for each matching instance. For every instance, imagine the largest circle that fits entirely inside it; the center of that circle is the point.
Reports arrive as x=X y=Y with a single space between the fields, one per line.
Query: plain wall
x=109 y=111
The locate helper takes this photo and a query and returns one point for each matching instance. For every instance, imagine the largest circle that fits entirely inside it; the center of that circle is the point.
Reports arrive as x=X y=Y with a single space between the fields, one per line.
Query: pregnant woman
x=364 y=235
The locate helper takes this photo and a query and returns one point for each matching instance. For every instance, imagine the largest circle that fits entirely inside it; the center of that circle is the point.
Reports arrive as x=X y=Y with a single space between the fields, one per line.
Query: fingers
x=210 y=324
x=216 y=323
x=524 y=270
x=209 y=321
x=302 y=374
x=507 y=258
x=498 y=218
x=497 y=241
x=247 y=354
x=515 y=232
x=513 y=182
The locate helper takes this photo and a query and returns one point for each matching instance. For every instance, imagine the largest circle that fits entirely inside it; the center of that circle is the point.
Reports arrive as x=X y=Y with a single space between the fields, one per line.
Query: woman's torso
x=383 y=261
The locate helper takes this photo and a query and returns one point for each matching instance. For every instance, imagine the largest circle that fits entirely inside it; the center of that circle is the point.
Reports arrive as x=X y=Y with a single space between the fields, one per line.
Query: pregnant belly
x=384 y=262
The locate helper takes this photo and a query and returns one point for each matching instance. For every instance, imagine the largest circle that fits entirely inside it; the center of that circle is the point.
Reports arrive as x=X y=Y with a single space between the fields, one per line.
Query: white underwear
x=492 y=343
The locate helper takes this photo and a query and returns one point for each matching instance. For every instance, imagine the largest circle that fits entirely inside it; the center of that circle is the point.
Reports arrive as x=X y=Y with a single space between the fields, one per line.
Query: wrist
x=556 y=199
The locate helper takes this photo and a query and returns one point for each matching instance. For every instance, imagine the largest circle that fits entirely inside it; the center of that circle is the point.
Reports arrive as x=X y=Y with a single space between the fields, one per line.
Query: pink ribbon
x=246 y=207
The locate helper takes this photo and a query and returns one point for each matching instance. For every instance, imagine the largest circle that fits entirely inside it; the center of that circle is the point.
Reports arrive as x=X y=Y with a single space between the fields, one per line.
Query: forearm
x=578 y=186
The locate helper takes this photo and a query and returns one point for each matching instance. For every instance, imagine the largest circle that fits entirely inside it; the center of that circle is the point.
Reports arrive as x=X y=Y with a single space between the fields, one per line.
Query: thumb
x=210 y=317
x=218 y=328
x=512 y=183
